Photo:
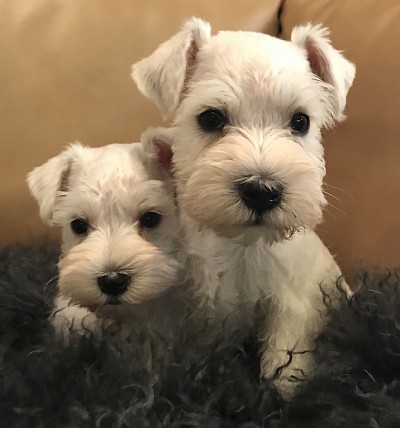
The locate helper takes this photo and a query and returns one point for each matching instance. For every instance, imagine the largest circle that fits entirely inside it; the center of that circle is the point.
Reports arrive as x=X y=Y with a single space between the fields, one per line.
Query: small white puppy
x=121 y=241
x=248 y=110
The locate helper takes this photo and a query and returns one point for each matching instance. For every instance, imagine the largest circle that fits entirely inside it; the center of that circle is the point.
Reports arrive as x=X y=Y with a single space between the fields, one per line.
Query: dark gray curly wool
x=100 y=383
x=357 y=379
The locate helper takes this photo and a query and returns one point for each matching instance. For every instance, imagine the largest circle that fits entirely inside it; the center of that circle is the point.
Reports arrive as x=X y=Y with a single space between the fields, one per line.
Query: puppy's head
x=115 y=204
x=248 y=110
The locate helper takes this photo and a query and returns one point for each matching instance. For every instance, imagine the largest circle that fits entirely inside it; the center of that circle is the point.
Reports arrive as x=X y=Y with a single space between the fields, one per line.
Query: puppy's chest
x=222 y=274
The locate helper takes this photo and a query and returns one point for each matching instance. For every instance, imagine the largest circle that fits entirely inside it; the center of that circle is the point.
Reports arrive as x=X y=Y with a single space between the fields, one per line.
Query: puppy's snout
x=259 y=197
x=114 y=283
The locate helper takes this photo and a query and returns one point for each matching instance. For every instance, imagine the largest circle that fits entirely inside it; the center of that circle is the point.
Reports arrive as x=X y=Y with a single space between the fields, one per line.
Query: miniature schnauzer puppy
x=121 y=241
x=248 y=110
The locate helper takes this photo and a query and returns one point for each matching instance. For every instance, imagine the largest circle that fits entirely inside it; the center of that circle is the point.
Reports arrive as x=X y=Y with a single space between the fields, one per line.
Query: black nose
x=113 y=283
x=259 y=197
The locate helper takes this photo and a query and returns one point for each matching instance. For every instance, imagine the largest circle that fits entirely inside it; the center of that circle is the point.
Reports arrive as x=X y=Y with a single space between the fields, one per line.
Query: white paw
x=288 y=370
x=67 y=318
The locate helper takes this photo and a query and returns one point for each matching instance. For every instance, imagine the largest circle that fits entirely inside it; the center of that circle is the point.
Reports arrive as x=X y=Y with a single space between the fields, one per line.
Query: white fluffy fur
x=111 y=187
x=259 y=82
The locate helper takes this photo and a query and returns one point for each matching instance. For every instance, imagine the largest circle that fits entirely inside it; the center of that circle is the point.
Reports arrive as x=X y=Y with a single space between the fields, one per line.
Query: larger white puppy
x=248 y=110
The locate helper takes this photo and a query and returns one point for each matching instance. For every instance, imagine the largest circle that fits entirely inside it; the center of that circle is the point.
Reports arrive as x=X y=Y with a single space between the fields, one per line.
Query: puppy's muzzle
x=259 y=197
x=114 y=283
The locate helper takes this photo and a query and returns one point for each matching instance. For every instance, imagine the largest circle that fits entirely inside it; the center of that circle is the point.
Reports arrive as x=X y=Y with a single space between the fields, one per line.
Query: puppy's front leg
x=68 y=317
x=288 y=344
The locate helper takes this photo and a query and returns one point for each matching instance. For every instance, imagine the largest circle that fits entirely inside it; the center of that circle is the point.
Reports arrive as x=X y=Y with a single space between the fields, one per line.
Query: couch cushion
x=65 y=76
x=362 y=224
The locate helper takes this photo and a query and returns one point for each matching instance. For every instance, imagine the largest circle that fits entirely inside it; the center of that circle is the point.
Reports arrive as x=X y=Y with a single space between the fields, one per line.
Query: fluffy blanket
x=99 y=383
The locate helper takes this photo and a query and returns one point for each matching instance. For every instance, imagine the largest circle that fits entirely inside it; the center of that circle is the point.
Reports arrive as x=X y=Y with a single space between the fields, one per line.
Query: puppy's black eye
x=300 y=123
x=79 y=226
x=150 y=219
x=211 y=120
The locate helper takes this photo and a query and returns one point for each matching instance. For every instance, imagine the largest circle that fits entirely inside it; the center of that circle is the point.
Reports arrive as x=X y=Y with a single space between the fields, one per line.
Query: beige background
x=64 y=76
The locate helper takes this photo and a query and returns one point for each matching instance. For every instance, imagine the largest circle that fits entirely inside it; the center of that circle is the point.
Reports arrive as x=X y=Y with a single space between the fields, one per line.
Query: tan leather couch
x=64 y=76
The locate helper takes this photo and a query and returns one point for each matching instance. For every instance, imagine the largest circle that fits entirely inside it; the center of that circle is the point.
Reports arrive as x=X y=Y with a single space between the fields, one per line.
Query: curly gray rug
x=100 y=383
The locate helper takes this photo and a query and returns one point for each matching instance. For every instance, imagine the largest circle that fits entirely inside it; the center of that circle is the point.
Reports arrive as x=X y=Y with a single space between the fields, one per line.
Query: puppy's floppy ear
x=163 y=75
x=156 y=143
x=46 y=181
x=326 y=62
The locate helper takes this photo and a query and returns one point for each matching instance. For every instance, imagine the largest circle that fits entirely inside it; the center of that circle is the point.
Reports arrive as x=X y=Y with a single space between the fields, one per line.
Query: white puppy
x=248 y=110
x=121 y=244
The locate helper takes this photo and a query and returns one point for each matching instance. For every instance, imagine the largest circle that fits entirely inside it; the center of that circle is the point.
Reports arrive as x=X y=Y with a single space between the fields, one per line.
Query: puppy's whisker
x=330 y=213
x=340 y=210
x=333 y=197
x=340 y=190
x=52 y=280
